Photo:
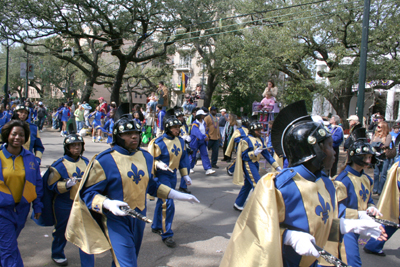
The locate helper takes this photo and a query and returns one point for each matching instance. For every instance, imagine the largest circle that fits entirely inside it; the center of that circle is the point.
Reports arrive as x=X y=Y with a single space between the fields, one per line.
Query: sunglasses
x=379 y=126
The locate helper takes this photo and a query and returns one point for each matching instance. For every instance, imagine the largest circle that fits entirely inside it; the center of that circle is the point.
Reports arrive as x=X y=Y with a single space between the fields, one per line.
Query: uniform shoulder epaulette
x=55 y=163
x=285 y=176
x=105 y=152
x=341 y=176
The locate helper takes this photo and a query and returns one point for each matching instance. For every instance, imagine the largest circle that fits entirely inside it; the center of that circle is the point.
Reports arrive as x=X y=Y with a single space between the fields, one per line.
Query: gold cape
x=388 y=203
x=82 y=229
x=238 y=174
x=256 y=238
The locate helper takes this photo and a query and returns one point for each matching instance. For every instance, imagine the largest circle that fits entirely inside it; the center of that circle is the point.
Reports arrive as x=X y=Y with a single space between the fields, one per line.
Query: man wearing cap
x=198 y=141
x=41 y=115
x=213 y=134
x=222 y=122
x=353 y=121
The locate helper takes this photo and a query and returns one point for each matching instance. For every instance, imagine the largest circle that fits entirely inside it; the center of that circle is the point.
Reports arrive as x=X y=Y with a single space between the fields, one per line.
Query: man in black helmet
x=170 y=155
x=118 y=177
x=291 y=211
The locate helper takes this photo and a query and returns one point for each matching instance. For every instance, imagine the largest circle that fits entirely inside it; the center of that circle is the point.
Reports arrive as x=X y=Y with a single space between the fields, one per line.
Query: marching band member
x=291 y=211
x=62 y=180
x=20 y=185
x=118 y=177
x=249 y=152
x=185 y=135
x=170 y=155
x=33 y=143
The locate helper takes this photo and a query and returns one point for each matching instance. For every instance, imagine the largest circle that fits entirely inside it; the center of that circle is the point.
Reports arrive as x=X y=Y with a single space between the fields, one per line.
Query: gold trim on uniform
x=163 y=191
x=96 y=174
x=97 y=203
x=164 y=214
x=38 y=154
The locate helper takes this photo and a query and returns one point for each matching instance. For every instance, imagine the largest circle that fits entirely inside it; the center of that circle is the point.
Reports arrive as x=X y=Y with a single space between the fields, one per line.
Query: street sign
x=23 y=71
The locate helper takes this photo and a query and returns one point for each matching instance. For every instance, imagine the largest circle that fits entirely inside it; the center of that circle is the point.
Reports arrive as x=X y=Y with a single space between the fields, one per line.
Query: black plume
x=122 y=110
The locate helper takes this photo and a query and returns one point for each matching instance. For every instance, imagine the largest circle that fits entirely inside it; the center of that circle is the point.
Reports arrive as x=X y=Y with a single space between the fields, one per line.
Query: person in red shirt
x=103 y=105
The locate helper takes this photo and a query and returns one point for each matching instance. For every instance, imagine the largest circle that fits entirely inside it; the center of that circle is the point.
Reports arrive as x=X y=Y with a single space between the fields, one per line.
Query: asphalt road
x=202 y=231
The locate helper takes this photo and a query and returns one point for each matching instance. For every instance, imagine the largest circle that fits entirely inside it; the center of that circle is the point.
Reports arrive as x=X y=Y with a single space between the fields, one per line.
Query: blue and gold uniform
x=248 y=164
x=20 y=185
x=353 y=190
x=56 y=177
x=107 y=128
x=185 y=133
x=237 y=136
x=121 y=175
x=389 y=206
x=172 y=152
x=295 y=199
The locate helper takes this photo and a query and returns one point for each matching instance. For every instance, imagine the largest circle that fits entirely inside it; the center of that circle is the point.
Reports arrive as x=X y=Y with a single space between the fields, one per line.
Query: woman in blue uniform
x=62 y=179
x=98 y=115
x=118 y=177
x=33 y=142
x=108 y=126
x=65 y=115
x=354 y=192
x=20 y=185
x=291 y=211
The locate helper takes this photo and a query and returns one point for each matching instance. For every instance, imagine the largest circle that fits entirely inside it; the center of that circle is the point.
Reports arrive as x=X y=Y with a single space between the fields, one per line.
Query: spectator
x=376 y=119
x=200 y=94
x=160 y=120
x=222 y=121
x=79 y=118
x=54 y=117
x=395 y=132
x=162 y=95
x=213 y=133
x=41 y=115
x=381 y=140
x=337 y=136
x=267 y=105
x=189 y=104
x=230 y=127
x=152 y=102
x=136 y=108
x=271 y=88
x=353 y=121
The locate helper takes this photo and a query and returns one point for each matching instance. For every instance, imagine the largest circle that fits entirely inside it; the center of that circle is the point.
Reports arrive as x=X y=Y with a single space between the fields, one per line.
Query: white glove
x=113 y=206
x=173 y=194
x=187 y=138
x=367 y=228
x=258 y=151
x=162 y=166
x=362 y=215
x=301 y=242
x=187 y=180
x=374 y=211
x=278 y=169
x=70 y=182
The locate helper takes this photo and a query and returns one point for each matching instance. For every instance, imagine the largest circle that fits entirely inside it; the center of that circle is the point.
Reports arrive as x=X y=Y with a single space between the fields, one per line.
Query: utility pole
x=26 y=76
x=363 y=62
x=6 y=85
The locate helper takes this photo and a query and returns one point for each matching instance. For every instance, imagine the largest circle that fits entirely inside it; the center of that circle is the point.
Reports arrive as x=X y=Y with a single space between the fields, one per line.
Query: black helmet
x=245 y=122
x=178 y=113
x=124 y=123
x=255 y=125
x=170 y=120
x=296 y=136
x=359 y=146
x=72 y=139
x=18 y=108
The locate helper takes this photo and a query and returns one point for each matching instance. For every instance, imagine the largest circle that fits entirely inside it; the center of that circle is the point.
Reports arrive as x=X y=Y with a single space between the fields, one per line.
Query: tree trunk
x=342 y=105
x=87 y=91
x=211 y=85
x=118 y=82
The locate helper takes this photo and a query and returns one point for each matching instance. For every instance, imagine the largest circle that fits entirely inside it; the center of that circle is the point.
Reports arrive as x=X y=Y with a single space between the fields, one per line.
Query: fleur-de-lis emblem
x=364 y=192
x=257 y=144
x=323 y=208
x=32 y=165
x=78 y=173
x=176 y=150
x=135 y=174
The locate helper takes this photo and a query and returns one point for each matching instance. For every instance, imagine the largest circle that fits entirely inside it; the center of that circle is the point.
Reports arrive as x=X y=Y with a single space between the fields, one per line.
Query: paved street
x=201 y=230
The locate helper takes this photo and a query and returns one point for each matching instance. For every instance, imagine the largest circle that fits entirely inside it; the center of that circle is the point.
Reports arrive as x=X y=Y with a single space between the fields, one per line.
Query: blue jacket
x=337 y=135
x=33 y=188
